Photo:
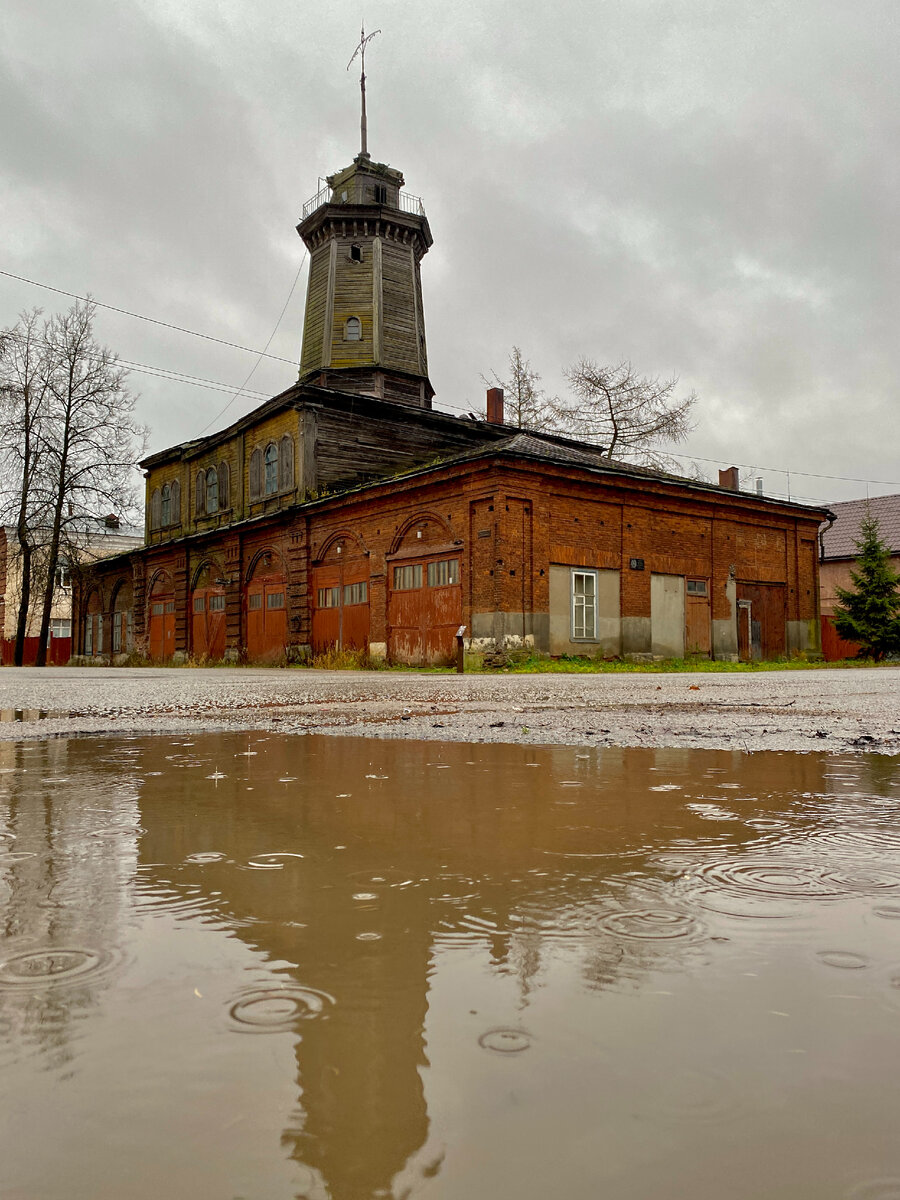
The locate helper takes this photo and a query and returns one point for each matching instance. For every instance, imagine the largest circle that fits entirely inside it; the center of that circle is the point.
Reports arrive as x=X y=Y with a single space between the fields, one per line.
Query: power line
x=155 y=372
x=262 y=352
x=788 y=471
x=151 y=320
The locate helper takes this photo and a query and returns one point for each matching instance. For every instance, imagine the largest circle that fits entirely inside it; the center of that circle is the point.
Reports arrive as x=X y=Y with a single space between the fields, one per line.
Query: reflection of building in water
x=511 y=856
x=67 y=854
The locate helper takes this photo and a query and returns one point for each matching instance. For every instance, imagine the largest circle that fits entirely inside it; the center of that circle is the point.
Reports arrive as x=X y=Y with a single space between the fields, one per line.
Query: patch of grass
x=535 y=664
x=335 y=659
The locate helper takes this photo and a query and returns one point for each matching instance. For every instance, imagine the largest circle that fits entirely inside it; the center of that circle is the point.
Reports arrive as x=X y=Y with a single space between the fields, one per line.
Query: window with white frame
x=584 y=605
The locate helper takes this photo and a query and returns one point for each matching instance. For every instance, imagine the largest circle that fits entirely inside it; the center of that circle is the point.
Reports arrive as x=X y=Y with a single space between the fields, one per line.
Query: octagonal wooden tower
x=364 y=329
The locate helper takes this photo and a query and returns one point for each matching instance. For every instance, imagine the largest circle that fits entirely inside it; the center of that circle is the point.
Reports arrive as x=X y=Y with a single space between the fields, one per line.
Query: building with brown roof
x=838 y=541
x=347 y=512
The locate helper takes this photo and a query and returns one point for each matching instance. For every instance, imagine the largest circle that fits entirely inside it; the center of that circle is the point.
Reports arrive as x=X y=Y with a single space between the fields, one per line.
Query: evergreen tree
x=870 y=612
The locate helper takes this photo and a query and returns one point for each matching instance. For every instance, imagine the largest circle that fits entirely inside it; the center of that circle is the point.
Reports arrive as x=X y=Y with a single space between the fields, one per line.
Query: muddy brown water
x=264 y=967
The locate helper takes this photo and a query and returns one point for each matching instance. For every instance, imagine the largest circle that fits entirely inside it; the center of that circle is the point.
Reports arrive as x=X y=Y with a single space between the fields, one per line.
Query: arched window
x=353 y=330
x=200 y=494
x=165 y=505
x=175 y=508
x=212 y=490
x=271 y=469
x=256 y=474
x=286 y=464
x=223 y=474
x=155 y=510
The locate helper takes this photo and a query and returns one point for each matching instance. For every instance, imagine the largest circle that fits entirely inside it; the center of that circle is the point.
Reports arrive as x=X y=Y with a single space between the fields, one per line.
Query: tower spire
x=360 y=50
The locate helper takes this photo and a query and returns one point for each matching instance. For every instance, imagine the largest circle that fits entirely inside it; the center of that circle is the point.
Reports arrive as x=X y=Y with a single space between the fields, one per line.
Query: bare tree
x=525 y=403
x=87 y=444
x=24 y=393
x=626 y=413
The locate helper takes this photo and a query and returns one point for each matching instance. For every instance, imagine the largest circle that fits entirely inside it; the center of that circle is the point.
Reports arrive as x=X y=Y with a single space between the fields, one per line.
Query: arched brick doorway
x=340 y=597
x=122 y=610
x=93 y=625
x=424 y=594
x=208 y=613
x=161 y=641
x=265 y=608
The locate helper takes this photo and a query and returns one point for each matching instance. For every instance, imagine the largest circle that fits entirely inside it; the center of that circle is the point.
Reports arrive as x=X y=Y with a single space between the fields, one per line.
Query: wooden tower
x=364 y=329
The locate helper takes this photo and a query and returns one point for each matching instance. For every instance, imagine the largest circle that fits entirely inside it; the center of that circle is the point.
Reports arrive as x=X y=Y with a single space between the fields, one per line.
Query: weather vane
x=360 y=50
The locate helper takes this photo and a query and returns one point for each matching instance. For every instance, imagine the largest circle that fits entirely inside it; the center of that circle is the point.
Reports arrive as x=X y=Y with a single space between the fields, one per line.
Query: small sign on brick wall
x=636 y=564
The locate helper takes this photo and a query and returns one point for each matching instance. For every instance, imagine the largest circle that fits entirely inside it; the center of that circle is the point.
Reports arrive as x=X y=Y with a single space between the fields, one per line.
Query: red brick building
x=346 y=511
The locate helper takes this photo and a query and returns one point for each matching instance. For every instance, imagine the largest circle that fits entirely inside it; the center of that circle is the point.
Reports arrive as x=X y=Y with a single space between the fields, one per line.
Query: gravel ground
x=841 y=710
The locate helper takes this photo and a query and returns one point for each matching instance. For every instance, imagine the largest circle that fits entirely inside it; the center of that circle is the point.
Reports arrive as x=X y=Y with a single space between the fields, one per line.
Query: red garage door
x=266 y=619
x=208 y=622
x=424 y=610
x=340 y=595
x=162 y=621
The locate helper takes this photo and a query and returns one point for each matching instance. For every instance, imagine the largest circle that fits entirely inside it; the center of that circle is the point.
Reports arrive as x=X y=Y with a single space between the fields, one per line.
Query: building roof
x=840 y=540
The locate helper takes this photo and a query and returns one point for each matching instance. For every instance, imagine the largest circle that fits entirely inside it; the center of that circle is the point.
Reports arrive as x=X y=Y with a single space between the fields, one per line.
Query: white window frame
x=585 y=636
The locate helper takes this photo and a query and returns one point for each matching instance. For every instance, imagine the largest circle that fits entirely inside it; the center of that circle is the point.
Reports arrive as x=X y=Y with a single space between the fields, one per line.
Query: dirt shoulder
x=842 y=711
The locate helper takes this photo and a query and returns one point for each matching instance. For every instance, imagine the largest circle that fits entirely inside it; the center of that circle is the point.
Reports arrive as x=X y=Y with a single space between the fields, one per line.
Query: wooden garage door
x=208 y=622
x=761 y=620
x=266 y=613
x=424 y=610
x=162 y=627
x=340 y=594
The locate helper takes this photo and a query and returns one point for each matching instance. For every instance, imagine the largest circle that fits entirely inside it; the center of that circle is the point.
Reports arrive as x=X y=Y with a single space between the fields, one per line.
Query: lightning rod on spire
x=360 y=50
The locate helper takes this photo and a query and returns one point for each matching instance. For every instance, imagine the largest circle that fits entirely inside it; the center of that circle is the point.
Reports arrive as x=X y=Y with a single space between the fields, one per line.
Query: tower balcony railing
x=405 y=202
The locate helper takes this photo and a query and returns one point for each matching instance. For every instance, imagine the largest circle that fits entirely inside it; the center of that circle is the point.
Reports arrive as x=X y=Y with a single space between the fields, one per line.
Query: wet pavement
x=839 y=710
x=246 y=965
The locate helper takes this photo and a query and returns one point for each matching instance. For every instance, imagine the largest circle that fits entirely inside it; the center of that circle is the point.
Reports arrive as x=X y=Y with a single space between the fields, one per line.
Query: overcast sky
x=706 y=187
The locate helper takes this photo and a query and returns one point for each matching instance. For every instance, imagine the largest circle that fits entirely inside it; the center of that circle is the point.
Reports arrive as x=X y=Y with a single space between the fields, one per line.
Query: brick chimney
x=495 y=405
x=730 y=478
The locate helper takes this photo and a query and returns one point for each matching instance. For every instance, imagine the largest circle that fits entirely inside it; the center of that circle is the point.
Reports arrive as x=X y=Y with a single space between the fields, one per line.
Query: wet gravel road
x=840 y=710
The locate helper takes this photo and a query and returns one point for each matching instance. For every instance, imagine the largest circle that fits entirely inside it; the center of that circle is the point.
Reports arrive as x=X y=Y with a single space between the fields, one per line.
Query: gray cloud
x=707 y=189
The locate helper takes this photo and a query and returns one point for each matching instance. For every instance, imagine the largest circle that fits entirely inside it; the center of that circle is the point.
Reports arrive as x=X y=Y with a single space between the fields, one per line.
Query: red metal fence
x=834 y=647
x=59 y=651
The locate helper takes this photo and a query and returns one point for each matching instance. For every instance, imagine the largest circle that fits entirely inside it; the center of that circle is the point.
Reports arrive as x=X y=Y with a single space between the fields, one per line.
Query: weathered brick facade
x=516 y=529
x=345 y=511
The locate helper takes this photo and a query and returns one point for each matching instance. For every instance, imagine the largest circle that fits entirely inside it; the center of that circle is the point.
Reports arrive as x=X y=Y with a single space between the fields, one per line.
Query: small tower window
x=380 y=193
x=353 y=330
x=356 y=253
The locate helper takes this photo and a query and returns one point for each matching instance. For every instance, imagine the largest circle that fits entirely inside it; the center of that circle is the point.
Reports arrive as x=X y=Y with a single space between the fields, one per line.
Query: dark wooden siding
x=399 y=308
x=317 y=298
x=352 y=298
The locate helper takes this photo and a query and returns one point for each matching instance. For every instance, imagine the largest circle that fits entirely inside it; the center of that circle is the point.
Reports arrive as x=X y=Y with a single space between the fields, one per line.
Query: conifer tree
x=869 y=613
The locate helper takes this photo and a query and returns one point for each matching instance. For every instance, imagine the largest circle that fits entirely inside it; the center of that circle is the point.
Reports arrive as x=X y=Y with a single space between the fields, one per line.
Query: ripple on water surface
x=793 y=879
x=505 y=1041
x=56 y=966
x=277 y=1009
x=652 y=924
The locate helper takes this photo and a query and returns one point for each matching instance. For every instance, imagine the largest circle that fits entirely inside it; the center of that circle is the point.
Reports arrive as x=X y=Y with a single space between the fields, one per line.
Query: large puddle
x=250 y=967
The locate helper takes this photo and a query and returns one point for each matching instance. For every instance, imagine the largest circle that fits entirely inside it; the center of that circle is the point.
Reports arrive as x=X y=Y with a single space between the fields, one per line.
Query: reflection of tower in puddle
x=526 y=861
x=331 y=922
x=68 y=832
